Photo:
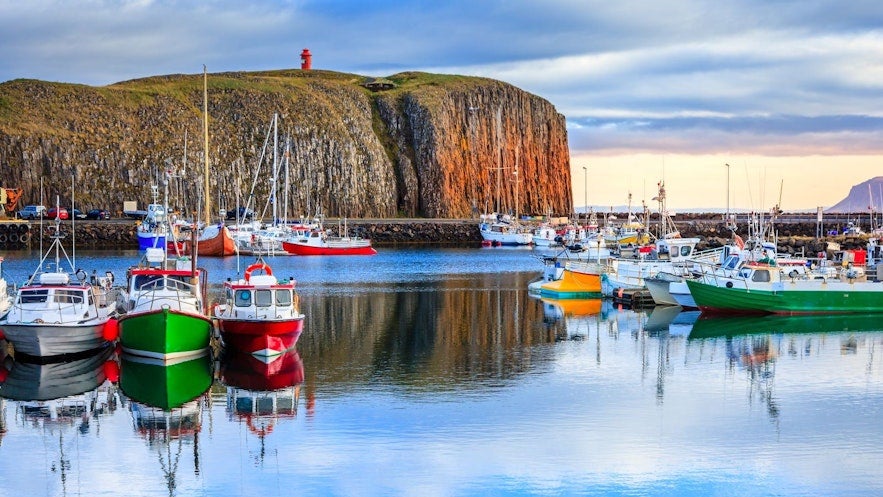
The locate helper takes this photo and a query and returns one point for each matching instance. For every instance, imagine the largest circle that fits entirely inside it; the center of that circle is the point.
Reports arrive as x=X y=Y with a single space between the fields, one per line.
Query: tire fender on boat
x=254 y=267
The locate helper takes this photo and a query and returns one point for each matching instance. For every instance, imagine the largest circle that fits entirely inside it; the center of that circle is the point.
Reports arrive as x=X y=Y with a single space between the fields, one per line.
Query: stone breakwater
x=793 y=238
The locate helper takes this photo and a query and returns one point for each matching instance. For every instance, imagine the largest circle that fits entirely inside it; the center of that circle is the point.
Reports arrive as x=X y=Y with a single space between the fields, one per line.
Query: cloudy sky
x=788 y=93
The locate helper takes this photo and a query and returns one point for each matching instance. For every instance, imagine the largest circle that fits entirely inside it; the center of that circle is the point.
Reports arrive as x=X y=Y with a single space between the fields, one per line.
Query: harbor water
x=432 y=372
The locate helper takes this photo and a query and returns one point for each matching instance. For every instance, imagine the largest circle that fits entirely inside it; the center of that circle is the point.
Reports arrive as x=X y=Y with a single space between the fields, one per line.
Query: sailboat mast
x=275 y=169
x=206 y=206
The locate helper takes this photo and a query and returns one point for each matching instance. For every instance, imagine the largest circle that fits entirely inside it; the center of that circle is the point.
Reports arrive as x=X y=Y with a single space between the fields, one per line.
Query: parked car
x=78 y=214
x=59 y=212
x=244 y=214
x=32 y=212
x=97 y=214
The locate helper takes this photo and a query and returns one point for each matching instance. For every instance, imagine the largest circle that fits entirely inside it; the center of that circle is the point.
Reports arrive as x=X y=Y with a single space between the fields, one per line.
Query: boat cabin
x=261 y=296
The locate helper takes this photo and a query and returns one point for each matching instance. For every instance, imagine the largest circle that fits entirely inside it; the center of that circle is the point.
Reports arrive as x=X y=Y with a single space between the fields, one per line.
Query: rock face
x=432 y=146
x=862 y=197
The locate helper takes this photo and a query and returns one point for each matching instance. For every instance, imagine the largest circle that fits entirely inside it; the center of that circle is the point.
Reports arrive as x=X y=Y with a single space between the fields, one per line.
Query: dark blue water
x=432 y=372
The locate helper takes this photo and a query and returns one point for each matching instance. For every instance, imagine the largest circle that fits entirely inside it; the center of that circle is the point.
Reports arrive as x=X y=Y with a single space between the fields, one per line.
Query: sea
x=432 y=372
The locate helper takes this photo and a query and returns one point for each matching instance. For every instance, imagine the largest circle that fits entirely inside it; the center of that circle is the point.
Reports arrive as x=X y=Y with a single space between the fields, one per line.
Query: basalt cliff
x=410 y=145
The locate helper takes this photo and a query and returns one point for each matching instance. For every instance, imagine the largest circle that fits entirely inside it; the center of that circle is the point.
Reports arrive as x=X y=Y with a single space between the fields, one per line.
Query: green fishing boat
x=765 y=289
x=165 y=316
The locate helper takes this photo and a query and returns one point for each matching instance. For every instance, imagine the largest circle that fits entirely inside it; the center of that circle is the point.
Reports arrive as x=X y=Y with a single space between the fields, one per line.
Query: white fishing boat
x=60 y=312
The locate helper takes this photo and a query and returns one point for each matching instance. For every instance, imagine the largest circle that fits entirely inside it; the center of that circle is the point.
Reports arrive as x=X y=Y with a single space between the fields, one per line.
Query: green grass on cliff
x=40 y=107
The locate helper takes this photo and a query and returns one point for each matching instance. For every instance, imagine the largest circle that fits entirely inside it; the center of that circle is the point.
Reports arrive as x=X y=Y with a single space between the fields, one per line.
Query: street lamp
x=586 y=192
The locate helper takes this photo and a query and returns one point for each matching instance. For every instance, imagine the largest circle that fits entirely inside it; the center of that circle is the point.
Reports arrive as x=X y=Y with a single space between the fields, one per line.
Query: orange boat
x=215 y=241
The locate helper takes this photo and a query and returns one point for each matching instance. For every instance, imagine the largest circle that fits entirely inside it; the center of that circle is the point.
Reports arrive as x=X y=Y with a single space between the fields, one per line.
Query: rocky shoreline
x=794 y=238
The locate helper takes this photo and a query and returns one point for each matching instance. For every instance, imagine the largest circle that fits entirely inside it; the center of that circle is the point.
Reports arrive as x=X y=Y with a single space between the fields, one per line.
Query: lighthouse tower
x=306 y=60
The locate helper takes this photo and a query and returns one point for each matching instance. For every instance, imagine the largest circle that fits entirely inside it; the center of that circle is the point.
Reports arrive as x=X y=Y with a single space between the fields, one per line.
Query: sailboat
x=215 y=240
x=54 y=315
x=502 y=229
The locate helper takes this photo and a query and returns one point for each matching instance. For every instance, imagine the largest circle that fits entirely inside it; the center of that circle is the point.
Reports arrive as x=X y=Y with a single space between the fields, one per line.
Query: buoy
x=111 y=330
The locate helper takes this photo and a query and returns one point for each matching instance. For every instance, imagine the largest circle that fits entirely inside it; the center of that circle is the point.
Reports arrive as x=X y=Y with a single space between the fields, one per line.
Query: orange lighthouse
x=306 y=60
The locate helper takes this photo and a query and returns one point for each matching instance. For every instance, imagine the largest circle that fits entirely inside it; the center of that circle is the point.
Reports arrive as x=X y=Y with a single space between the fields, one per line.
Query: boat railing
x=156 y=294
x=714 y=275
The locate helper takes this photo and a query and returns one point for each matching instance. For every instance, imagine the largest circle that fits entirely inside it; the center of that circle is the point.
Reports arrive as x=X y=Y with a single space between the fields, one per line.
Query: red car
x=61 y=212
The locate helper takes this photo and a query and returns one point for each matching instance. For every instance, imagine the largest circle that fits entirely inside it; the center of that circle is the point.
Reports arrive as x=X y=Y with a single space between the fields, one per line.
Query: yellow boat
x=579 y=280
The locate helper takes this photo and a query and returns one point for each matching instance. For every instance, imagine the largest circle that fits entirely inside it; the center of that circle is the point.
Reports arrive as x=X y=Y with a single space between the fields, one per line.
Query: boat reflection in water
x=27 y=381
x=61 y=401
x=573 y=312
x=166 y=405
x=757 y=343
x=731 y=326
x=261 y=394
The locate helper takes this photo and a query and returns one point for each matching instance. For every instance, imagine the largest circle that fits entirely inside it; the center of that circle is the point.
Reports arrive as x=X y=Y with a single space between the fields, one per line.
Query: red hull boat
x=260 y=314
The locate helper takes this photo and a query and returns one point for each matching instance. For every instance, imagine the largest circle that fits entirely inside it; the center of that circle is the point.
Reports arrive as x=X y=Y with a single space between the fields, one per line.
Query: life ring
x=255 y=267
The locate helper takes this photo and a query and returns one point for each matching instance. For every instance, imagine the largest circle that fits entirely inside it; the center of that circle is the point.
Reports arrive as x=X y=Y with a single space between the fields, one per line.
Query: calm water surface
x=431 y=372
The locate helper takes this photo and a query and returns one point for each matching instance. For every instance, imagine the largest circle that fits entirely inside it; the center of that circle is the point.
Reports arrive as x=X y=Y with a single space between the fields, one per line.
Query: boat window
x=243 y=298
x=686 y=249
x=761 y=275
x=263 y=298
x=744 y=273
x=179 y=283
x=33 y=296
x=283 y=298
x=68 y=296
x=731 y=262
x=228 y=295
x=148 y=282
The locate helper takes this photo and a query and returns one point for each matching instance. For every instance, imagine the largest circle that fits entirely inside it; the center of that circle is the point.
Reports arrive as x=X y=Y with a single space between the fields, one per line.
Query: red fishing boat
x=315 y=240
x=260 y=314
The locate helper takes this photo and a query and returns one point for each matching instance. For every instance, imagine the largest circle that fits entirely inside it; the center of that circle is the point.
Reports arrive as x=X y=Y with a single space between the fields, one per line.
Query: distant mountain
x=862 y=198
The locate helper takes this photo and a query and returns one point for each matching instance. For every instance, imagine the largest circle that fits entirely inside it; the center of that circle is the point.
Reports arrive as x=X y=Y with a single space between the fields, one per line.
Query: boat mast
x=206 y=206
x=275 y=169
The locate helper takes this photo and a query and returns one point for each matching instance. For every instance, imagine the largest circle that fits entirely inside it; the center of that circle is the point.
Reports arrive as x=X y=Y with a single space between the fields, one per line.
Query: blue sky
x=664 y=89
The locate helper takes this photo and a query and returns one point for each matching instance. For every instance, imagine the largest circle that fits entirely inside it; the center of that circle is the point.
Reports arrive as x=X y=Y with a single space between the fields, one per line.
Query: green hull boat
x=783 y=296
x=165 y=334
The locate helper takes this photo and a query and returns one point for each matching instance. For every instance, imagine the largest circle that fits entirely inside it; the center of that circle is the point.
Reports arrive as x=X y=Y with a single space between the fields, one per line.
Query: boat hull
x=659 y=290
x=263 y=338
x=572 y=285
x=45 y=341
x=303 y=249
x=165 y=334
x=789 y=298
x=151 y=240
